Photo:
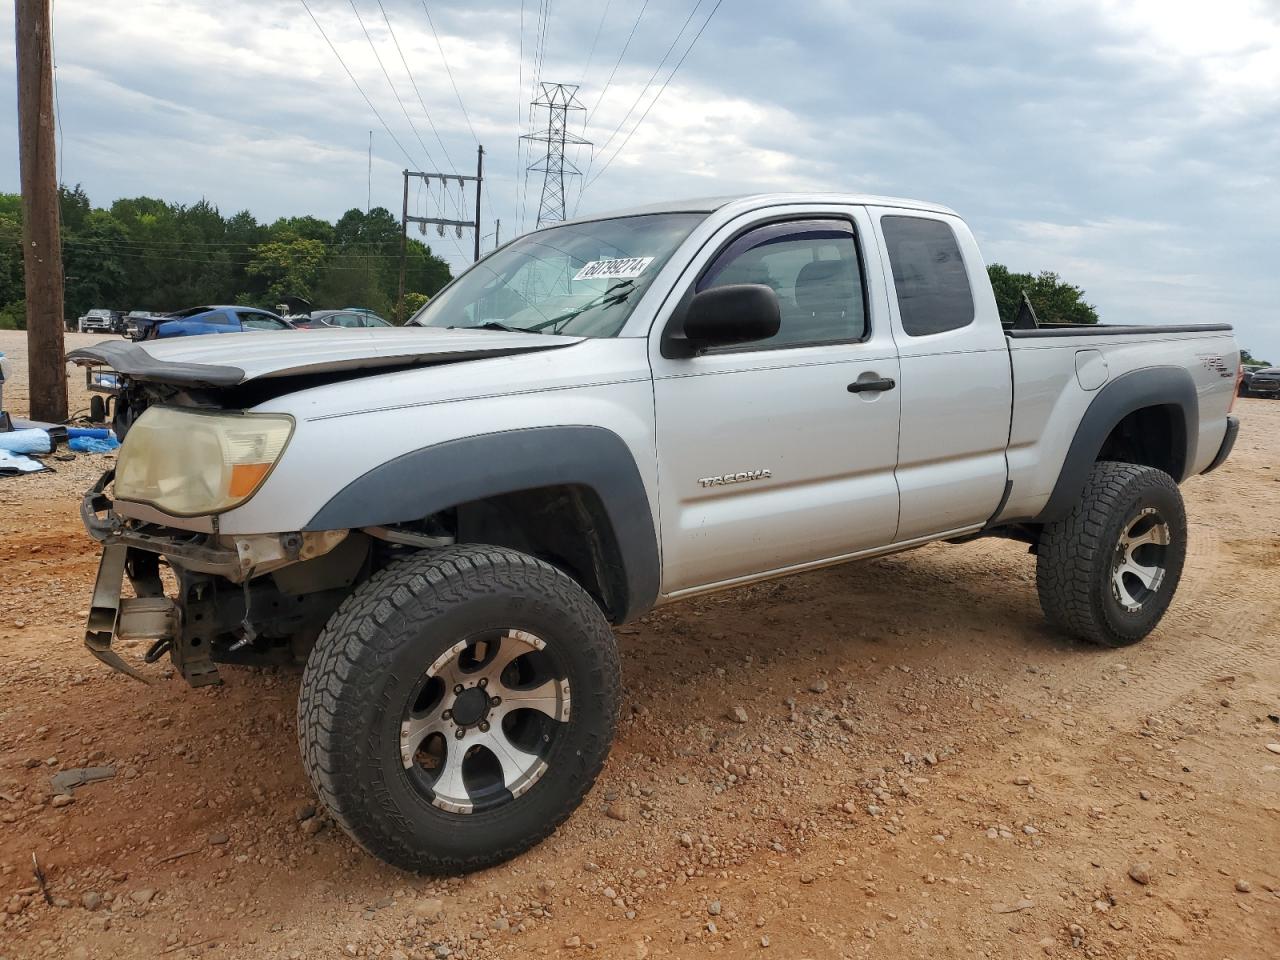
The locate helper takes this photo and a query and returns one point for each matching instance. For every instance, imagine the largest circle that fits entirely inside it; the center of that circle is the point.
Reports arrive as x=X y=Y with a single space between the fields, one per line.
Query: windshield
x=580 y=279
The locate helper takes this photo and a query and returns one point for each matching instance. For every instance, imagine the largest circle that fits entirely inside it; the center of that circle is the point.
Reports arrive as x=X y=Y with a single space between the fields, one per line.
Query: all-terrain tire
x=1079 y=555
x=378 y=644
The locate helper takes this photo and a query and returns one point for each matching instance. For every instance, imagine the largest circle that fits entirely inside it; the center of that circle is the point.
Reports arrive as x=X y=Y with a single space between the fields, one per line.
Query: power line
x=414 y=83
x=396 y=93
x=394 y=138
x=653 y=76
x=657 y=96
x=515 y=182
x=538 y=49
x=612 y=73
x=596 y=39
x=390 y=82
x=456 y=92
x=445 y=60
x=542 y=43
x=57 y=103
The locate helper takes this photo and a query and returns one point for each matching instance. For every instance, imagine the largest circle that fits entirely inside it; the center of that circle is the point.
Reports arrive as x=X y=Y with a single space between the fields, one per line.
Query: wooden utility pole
x=41 y=243
x=479 y=185
x=447 y=180
x=404 y=248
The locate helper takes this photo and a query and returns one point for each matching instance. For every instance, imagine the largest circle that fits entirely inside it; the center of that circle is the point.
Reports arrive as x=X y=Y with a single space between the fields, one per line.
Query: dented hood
x=227 y=360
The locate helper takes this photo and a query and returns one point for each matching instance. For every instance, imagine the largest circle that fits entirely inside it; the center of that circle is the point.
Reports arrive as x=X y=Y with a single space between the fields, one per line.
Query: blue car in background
x=198 y=321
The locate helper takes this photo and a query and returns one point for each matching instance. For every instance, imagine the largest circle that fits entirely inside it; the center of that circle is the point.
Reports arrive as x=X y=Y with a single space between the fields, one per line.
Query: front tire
x=458 y=707
x=1107 y=571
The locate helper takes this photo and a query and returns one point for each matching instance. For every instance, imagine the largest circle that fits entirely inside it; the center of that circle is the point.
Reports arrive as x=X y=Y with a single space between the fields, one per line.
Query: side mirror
x=737 y=313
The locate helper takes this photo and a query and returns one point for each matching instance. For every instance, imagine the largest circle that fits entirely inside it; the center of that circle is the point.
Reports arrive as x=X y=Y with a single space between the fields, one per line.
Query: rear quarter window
x=928 y=274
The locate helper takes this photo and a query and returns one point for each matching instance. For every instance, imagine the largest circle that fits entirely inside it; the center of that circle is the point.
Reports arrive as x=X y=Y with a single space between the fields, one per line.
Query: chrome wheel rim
x=1138 y=569
x=482 y=720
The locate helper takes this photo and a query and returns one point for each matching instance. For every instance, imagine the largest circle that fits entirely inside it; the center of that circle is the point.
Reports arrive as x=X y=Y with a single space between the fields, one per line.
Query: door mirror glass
x=735 y=313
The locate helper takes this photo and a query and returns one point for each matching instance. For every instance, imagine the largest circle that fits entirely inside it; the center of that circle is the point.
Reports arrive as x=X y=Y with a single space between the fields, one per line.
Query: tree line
x=142 y=253
x=146 y=254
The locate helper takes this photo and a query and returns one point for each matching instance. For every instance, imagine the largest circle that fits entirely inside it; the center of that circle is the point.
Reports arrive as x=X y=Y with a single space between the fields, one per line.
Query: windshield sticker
x=627 y=268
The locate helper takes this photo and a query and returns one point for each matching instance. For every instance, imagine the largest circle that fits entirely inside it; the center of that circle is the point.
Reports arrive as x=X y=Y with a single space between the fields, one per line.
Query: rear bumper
x=1228 y=442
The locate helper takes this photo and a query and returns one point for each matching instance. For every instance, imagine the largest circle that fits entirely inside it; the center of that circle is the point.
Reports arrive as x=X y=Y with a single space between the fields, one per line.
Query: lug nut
x=458 y=689
x=447 y=715
x=484 y=726
x=494 y=701
x=461 y=733
x=484 y=681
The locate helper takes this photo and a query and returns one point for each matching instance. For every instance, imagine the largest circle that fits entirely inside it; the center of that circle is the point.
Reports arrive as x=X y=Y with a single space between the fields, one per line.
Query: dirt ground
x=926 y=770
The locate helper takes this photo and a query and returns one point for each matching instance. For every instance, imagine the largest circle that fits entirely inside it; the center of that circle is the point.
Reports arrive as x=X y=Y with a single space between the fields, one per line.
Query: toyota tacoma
x=443 y=520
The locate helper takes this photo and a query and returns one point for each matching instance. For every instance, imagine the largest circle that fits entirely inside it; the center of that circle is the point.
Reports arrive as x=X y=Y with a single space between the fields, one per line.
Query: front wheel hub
x=470 y=707
x=482 y=721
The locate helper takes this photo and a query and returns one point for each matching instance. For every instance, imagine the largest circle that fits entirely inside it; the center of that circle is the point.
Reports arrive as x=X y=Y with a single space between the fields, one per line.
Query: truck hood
x=228 y=360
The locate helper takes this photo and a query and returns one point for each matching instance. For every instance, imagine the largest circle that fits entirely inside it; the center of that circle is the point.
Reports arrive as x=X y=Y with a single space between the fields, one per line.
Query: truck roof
x=754 y=201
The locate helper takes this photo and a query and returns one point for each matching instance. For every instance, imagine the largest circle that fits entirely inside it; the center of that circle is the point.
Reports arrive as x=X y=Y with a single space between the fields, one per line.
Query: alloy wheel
x=1138 y=568
x=483 y=719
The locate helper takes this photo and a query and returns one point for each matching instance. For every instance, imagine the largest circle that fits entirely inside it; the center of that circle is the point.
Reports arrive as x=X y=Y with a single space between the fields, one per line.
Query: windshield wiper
x=494 y=325
x=609 y=296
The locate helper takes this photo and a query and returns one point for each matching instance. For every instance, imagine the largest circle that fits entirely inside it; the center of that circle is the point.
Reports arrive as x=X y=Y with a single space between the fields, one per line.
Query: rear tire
x=458 y=707
x=1107 y=571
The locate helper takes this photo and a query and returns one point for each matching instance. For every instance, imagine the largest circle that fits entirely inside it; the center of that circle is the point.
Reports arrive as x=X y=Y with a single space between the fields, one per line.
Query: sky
x=1131 y=147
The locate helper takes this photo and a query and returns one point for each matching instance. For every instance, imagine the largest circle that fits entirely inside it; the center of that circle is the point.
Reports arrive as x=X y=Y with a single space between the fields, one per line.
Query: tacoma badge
x=735 y=477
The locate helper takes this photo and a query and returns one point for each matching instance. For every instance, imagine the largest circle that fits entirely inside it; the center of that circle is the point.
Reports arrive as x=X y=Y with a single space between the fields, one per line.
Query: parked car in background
x=1264 y=382
x=133 y=319
x=198 y=321
x=349 y=318
x=97 y=320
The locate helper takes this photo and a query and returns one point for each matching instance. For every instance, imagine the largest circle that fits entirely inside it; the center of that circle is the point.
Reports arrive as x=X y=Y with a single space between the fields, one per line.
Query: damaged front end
x=256 y=599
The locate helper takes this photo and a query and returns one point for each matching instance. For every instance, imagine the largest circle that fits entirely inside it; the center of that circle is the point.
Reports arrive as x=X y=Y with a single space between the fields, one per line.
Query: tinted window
x=813 y=268
x=928 y=274
x=218 y=317
x=259 y=321
x=344 y=320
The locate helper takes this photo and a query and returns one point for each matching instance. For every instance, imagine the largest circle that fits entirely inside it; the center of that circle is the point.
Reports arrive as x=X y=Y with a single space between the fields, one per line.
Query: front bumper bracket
x=149 y=616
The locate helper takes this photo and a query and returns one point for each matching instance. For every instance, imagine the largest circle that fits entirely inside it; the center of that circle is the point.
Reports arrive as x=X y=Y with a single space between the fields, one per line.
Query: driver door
x=775 y=455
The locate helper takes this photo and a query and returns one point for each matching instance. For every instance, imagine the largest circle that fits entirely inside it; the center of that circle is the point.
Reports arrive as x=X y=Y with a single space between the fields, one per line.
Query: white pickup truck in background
x=604 y=416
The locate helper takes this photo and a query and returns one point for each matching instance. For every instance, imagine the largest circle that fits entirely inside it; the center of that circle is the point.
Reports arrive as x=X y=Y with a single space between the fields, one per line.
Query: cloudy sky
x=1133 y=147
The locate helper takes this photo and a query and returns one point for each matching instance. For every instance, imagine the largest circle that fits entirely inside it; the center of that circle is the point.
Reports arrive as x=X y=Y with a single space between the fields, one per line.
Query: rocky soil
x=889 y=759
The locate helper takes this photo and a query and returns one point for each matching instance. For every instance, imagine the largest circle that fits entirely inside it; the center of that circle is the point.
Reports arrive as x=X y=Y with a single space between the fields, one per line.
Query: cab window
x=928 y=274
x=813 y=267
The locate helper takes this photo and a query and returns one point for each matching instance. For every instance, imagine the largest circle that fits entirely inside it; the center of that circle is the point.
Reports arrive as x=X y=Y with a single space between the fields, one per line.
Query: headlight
x=188 y=462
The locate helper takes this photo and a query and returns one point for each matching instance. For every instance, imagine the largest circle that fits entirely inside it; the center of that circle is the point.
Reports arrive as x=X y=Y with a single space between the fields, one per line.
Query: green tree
x=73 y=208
x=413 y=302
x=289 y=267
x=1249 y=358
x=377 y=231
x=94 y=269
x=146 y=254
x=11 y=269
x=302 y=228
x=1054 y=300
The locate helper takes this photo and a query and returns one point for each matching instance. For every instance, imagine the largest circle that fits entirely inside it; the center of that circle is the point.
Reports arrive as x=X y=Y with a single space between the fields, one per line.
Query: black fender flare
x=428 y=480
x=1149 y=387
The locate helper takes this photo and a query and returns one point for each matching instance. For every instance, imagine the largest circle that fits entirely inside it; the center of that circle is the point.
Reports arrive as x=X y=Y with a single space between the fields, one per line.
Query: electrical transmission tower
x=560 y=99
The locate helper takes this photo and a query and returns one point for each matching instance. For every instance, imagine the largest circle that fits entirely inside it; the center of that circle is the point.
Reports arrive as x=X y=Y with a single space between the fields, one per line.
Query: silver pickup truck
x=601 y=417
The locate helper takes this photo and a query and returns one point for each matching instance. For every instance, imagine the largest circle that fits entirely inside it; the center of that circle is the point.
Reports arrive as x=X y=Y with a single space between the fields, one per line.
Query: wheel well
x=1151 y=436
x=567 y=526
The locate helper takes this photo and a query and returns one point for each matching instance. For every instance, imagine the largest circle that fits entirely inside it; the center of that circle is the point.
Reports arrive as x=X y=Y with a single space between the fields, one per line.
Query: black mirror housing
x=736 y=313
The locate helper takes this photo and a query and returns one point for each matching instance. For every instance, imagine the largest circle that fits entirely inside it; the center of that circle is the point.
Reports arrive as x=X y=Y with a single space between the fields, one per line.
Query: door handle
x=872 y=386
